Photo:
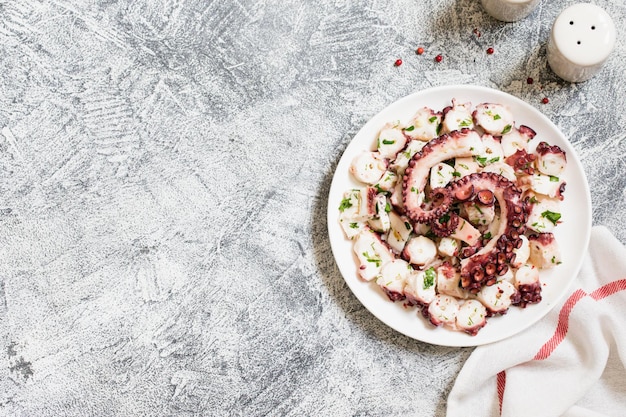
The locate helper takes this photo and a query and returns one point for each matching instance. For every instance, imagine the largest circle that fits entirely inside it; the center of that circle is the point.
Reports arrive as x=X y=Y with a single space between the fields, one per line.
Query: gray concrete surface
x=164 y=170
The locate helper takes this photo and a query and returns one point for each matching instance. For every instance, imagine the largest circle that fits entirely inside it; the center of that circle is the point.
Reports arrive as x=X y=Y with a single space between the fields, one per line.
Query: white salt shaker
x=509 y=10
x=581 y=40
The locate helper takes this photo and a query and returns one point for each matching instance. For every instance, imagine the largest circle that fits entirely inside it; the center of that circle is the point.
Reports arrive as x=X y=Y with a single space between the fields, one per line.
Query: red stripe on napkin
x=608 y=289
x=501 y=381
x=561 y=327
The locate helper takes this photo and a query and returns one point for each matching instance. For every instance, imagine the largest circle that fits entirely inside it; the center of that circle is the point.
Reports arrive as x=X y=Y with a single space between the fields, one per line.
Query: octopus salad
x=454 y=213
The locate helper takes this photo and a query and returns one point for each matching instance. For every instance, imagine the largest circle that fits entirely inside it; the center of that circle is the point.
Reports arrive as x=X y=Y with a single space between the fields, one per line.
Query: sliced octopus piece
x=523 y=163
x=527 y=283
x=471 y=317
x=497 y=298
x=392 y=278
x=467 y=233
x=441 y=175
x=522 y=254
x=456 y=144
x=399 y=231
x=492 y=151
x=516 y=139
x=458 y=116
x=492 y=260
x=420 y=251
x=368 y=167
x=547 y=185
x=503 y=169
x=424 y=125
x=544 y=215
x=372 y=254
x=387 y=183
x=551 y=160
x=421 y=287
x=443 y=310
x=448 y=279
x=479 y=214
x=544 y=250
x=448 y=246
x=391 y=140
x=466 y=165
x=495 y=119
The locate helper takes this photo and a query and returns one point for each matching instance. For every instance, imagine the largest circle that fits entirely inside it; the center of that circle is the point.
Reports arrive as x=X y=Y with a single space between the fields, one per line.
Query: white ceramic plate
x=572 y=234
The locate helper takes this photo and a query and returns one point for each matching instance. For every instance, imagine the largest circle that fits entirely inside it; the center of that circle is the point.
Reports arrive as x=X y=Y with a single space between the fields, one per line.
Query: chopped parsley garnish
x=345 y=203
x=552 y=216
x=388 y=142
x=410 y=128
x=456 y=174
x=387 y=207
x=465 y=123
x=372 y=259
x=487 y=236
x=477 y=207
x=482 y=160
x=444 y=219
x=506 y=129
x=354 y=225
x=431 y=235
x=496 y=117
x=429 y=278
x=433 y=119
x=439 y=128
x=464 y=166
x=554 y=179
x=407 y=225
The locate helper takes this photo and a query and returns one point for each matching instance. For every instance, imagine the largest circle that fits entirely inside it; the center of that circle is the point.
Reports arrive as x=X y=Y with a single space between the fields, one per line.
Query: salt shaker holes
x=581 y=40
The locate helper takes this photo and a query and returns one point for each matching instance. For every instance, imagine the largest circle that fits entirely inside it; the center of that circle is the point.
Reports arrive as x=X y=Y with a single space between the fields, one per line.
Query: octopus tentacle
x=482 y=267
x=445 y=225
x=485 y=197
x=526 y=131
x=522 y=162
x=527 y=294
x=459 y=143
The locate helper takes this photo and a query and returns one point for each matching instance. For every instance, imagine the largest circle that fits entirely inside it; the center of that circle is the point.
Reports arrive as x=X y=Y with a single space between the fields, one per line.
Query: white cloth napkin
x=571 y=363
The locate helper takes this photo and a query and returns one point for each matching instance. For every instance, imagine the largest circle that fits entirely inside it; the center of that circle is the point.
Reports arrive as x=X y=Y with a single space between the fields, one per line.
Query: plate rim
x=449 y=91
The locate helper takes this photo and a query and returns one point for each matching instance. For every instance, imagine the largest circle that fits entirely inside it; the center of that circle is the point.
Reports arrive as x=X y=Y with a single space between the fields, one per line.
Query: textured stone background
x=164 y=170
